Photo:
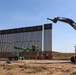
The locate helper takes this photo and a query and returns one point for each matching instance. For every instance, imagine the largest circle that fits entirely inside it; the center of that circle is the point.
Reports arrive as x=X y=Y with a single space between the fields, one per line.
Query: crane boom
x=63 y=19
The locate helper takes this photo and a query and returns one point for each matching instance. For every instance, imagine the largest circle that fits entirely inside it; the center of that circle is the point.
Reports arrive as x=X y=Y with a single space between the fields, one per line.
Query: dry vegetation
x=42 y=69
x=36 y=69
x=62 y=56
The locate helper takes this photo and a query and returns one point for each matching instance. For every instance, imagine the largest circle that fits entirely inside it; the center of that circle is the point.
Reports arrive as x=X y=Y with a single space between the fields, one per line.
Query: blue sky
x=23 y=13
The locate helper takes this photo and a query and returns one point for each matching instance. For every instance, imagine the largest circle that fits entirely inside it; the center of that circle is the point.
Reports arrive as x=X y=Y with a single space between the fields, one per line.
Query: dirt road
x=36 y=67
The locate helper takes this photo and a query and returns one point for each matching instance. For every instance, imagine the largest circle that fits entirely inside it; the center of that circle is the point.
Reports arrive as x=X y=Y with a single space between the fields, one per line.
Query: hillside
x=62 y=56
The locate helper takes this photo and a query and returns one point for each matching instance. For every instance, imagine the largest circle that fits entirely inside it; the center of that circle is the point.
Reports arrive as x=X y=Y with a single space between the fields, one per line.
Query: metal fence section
x=47 y=37
x=22 y=37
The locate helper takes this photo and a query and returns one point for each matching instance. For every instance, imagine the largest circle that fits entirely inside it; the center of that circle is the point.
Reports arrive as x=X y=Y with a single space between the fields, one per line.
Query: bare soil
x=38 y=67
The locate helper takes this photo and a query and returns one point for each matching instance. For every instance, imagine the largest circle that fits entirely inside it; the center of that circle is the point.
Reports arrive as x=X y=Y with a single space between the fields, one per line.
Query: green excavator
x=21 y=51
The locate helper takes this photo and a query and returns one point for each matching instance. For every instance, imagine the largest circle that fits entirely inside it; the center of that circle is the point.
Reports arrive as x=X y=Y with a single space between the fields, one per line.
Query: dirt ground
x=38 y=67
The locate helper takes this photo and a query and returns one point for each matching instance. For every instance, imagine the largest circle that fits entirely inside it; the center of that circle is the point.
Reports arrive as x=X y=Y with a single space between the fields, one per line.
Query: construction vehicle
x=21 y=51
x=70 y=22
x=63 y=19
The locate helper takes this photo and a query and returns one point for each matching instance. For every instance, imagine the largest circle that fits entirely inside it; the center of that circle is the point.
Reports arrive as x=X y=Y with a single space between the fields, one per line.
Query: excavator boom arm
x=63 y=19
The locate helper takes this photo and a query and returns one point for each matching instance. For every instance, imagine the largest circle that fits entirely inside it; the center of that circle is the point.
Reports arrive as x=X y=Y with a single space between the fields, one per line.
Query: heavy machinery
x=21 y=51
x=63 y=19
x=70 y=22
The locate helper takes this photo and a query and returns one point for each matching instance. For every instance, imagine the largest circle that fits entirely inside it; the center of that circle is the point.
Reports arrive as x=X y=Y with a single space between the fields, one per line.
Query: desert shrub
x=25 y=66
x=8 y=67
x=38 y=68
x=73 y=73
x=22 y=69
x=51 y=71
x=34 y=69
x=10 y=72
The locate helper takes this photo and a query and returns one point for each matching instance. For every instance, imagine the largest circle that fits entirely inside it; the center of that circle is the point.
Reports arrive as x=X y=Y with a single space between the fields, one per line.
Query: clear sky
x=23 y=13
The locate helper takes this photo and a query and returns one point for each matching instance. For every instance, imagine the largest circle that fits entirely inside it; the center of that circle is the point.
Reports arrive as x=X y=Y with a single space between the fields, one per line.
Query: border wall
x=26 y=37
x=22 y=37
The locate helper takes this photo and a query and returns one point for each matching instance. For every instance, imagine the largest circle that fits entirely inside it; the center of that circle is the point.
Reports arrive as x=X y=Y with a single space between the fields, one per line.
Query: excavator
x=65 y=20
x=21 y=51
x=71 y=23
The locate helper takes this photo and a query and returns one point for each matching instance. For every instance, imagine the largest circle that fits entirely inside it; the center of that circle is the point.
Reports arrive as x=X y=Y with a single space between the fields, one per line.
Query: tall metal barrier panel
x=22 y=37
x=48 y=38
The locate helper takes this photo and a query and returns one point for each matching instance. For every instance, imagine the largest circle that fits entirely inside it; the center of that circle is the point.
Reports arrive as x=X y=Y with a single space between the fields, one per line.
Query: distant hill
x=61 y=52
x=55 y=52
x=60 y=55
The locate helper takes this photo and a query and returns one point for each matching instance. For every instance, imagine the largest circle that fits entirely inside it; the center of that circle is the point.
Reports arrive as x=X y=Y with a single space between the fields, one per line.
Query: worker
x=42 y=56
x=47 y=56
x=38 y=56
x=75 y=59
